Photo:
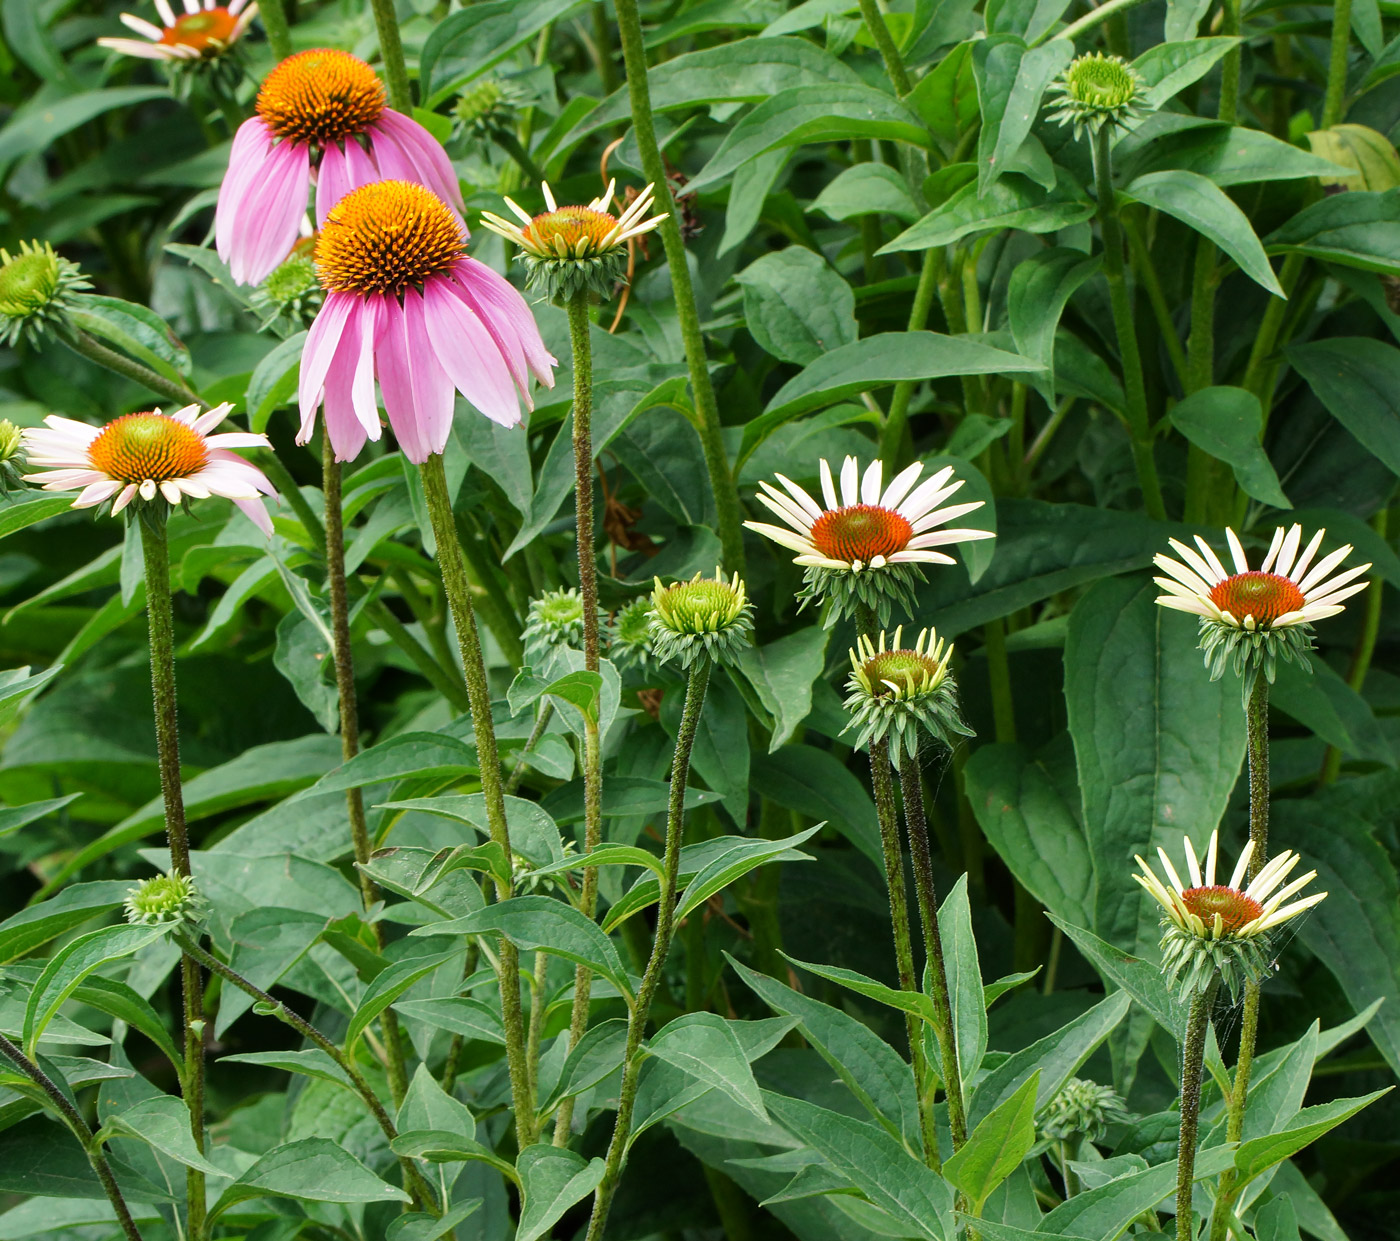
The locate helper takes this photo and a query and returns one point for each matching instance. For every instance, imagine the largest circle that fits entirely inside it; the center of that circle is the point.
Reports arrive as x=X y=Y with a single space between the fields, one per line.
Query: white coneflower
x=866 y=545
x=1213 y=926
x=201 y=32
x=1254 y=615
x=571 y=248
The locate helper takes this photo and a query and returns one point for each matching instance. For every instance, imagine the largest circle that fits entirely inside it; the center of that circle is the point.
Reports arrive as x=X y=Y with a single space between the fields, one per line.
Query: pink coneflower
x=202 y=31
x=405 y=303
x=320 y=115
x=149 y=454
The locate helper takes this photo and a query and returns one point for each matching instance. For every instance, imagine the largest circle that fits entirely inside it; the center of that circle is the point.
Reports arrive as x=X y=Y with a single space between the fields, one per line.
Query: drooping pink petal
x=362 y=386
x=317 y=356
x=268 y=224
x=423 y=151
x=351 y=413
x=332 y=181
x=499 y=303
x=252 y=148
x=256 y=512
x=470 y=354
x=414 y=384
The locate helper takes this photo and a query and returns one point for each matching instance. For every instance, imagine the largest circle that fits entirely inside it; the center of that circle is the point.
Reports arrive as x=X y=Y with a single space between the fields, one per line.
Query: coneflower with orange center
x=1251 y=617
x=865 y=547
x=1222 y=928
x=201 y=33
x=405 y=304
x=321 y=111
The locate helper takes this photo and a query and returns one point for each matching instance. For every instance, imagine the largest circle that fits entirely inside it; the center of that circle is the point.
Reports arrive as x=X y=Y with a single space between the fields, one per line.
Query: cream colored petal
x=1208 y=553
x=1242 y=866
x=1193 y=867
x=850 y=482
x=926 y=494
x=828 y=486
x=900 y=486
x=141 y=26
x=1283 y=894
x=1318 y=593
x=1212 y=856
x=872 y=483
x=1241 y=562
x=1272 y=875
x=1170 y=870
x=1288 y=551
x=1323 y=567
x=787 y=538
x=1303 y=561
x=1280 y=916
x=786 y=509
x=1196 y=563
x=800 y=496
x=1274 y=544
x=941 y=516
x=1183 y=603
x=1189 y=578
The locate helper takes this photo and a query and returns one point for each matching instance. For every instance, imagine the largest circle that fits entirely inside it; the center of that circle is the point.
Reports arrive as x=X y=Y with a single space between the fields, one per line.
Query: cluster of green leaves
x=776 y=1097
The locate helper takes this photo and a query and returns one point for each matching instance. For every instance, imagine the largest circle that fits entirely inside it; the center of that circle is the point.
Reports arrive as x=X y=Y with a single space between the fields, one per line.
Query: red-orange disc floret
x=1264 y=596
x=208 y=32
x=385 y=237
x=861 y=532
x=320 y=96
x=1236 y=910
x=571 y=225
x=137 y=447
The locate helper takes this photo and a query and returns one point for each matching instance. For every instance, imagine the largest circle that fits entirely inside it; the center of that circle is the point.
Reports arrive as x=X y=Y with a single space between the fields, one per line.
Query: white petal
x=926 y=494
x=1211 y=558
x=900 y=486
x=1212 y=856
x=850 y=472
x=167 y=14
x=1236 y=551
x=785 y=509
x=828 y=487
x=917 y=556
x=1171 y=870
x=1195 y=562
x=786 y=537
x=1193 y=867
x=1308 y=553
x=872 y=483
x=141 y=26
x=1319 y=589
x=1274 y=545
x=1180 y=603
x=1187 y=577
x=1288 y=552
x=809 y=505
x=148 y=489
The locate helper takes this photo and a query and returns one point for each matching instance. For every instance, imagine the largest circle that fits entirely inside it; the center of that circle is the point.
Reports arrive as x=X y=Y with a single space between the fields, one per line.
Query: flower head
x=704 y=617
x=1252 y=616
x=1211 y=926
x=201 y=32
x=900 y=694
x=321 y=110
x=629 y=636
x=1098 y=90
x=291 y=294
x=555 y=619
x=150 y=458
x=36 y=292
x=12 y=461
x=165 y=900
x=569 y=249
x=405 y=304
x=866 y=546
x=489 y=105
x=1082 y=1109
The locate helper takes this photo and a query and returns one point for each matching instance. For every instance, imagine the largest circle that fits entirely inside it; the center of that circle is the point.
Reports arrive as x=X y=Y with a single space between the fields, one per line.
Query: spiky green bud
x=555 y=619
x=36 y=292
x=170 y=899
x=1082 y=1109
x=1098 y=90
x=629 y=636
x=1249 y=652
x=290 y=296
x=489 y=105
x=704 y=617
x=12 y=465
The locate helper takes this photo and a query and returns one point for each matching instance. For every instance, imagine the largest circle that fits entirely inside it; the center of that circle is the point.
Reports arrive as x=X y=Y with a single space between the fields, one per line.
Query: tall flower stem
x=1335 y=98
x=916 y=824
x=74 y=1120
x=155 y=547
x=1257 y=732
x=1193 y=1058
x=459 y=601
x=279 y=34
x=629 y=24
x=889 y=51
x=350 y=735
x=897 y=420
x=696 y=684
x=588 y=588
x=386 y=21
x=1139 y=427
x=413 y=1179
x=95 y=351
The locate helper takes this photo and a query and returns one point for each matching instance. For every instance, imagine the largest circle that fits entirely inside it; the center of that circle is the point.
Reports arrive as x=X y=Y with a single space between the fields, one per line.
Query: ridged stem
x=696 y=684
x=274 y=22
x=1193 y=1058
x=160 y=618
x=889 y=51
x=629 y=24
x=386 y=21
x=74 y=1120
x=1335 y=97
x=118 y=363
x=454 y=580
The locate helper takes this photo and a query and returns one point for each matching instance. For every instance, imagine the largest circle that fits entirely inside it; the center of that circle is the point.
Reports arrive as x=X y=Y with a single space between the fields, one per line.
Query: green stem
x=896 y=428
x=454 y=1049
x=916 y=824
x=433 y=672
x=1335 y=98
x=541 y=723
x=160 y=619
x=588 y=587
x=1257 y=730
x=344 y=659
x=94 y=351
x=602 y=46
x=722 y=484
x=1071 y=1181
x=695 y=688
x=496 y=611
x=413 y=1179
x=386 y=21
x=1193 y=1057
x=1146 y=272
x=889 y=52
x=454 y=580
x=271 y=464
x=274 y=21
x=512 y=146
x=1133 y=387
x=999 y=676
x=1089 y=20
x=74 y=1120
x=1262 y=368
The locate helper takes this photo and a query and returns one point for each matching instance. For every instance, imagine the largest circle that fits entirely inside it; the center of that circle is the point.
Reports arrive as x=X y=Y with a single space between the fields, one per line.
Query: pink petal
x=507 y=314
x=332 y=181
x=418 y=395
x=350 y=386
x=470 y=354
x=252 y=148
x=317 y=356
x=269 y=222
x=256 y=512
x=422 y=150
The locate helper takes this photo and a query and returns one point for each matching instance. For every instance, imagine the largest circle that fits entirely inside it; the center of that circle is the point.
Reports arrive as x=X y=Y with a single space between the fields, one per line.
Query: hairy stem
x=1193 y=1057
x=160 y=619
x=889 y=51
x=1335 y=98
x=74 y=1120
x=541 y=724
x=722 y=484
x=391 y=53
x=696 y=685
x=454 y=580
x=274 y=21
x=95 y=351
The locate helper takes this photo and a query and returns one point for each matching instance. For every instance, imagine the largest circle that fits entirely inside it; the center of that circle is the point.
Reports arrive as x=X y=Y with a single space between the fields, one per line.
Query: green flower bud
x=291 y=294
x=555 y=619
x=629 y=637
x=1082 y=1109
x=36 y=292
x=12 y=464
x=489 y=105
x=165 y=900
x=1098 y=90
x=704 y=617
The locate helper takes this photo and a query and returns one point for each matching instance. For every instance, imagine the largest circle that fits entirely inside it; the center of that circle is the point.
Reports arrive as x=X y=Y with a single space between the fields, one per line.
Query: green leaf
x=408 y=754
x=745 y=855
x=1013 y=202
x=996 y=1147
x=1224 y=154
x=417 y=1226
x=534 y=834
x=604 y=855
x=74 y=962
x=1228 y=424
x=311 y=1170
x=1056 y=1058
x=388 y=985
x=879 y=360
x=163 y=1121
x=1011 y=82
x=438 y=1146
x=28 y=37
x=815 y=783
x=1357 y=229
x=427 y=1106
x=540 y=922
x=782 y=674
x=1140 y=979
x=274 y=381
x=118 y=1000
x=1170 y=68
x=1323 y=702
x=1035 y=299
x=946 y=96
x=1260 y=1154
x=30 y=928
x=965 y=992
x=134 y=330
x=42 y=121
x=872 y=1070
x=459 y=1014
x=25 y=509
x=865 y=189
x=581 y=690
x=304 y=657
x=703 y=1045
x=1372 y=161
x=1355 y=377
x=831 y=111
x=469 y=42
x=12 y=818
x=598 y=1054
x=796 y=306
x=552 y=1179
x=915 y=1002
x=1199 y=203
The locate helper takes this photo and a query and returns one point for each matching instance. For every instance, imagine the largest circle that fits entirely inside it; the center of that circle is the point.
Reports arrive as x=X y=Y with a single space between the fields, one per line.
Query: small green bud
x=489 y=105
x=1082 y=1109
x=629 y=638
x=291 y=294
x=555 y=619
x=704 y=617
x=1098 y=90
x=36 y=288
x=12 y=457
x=170 y=899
